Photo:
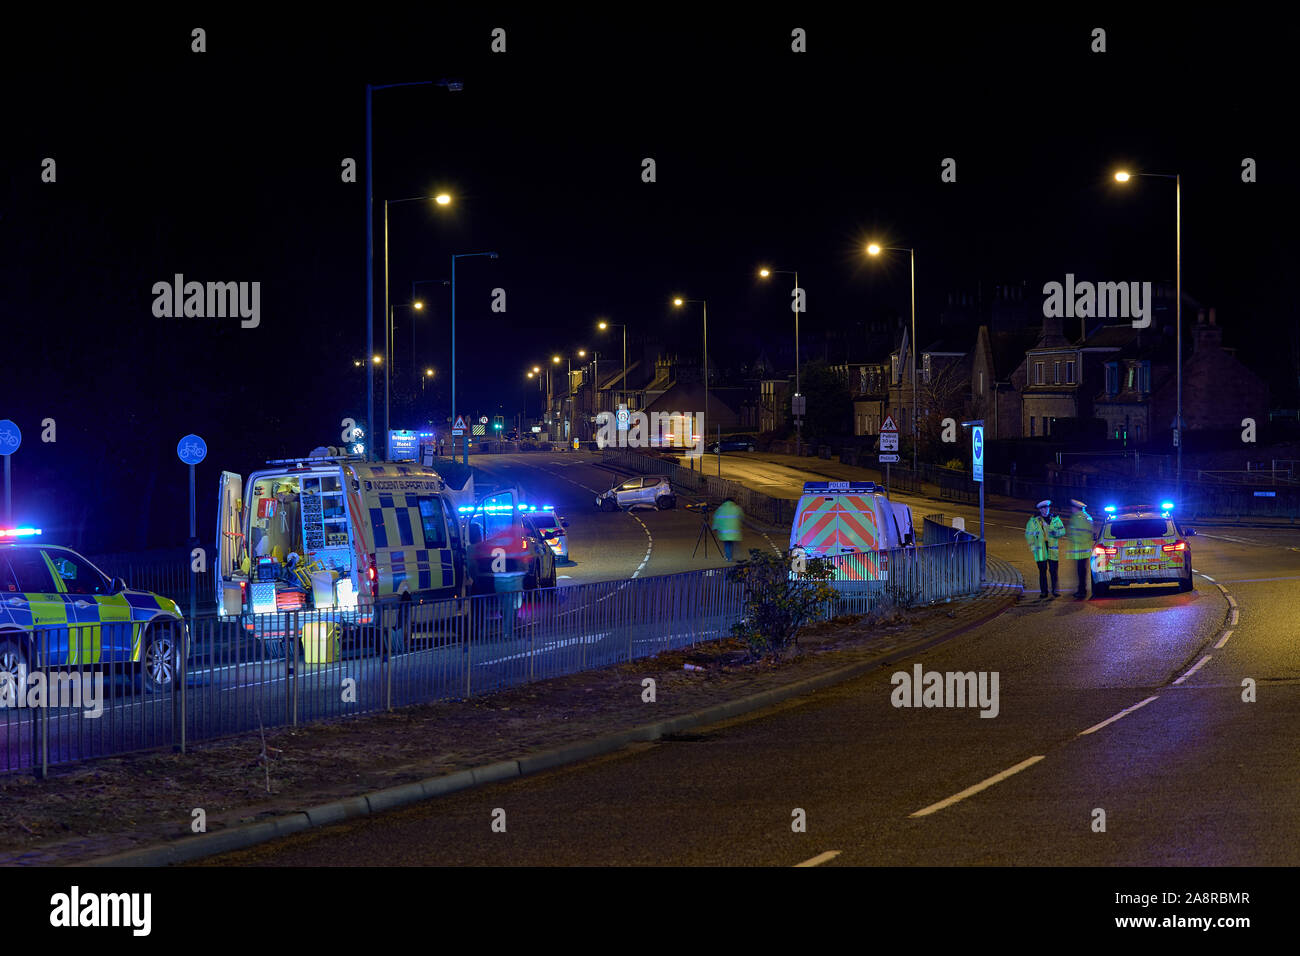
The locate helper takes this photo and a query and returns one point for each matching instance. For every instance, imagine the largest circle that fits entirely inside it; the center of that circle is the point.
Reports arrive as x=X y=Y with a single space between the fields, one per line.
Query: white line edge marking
x=1207 y=577
x=1110 y=720
x=1223 y=640
x=819 y=858
x=982 y=785
x=1220 y=587
x=1195 y=667
x=1232 y=602
x=1233 y=620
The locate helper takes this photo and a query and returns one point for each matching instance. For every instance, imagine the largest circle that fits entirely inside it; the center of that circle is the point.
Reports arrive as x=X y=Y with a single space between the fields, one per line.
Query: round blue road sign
x=10 y=437
x=191 y=449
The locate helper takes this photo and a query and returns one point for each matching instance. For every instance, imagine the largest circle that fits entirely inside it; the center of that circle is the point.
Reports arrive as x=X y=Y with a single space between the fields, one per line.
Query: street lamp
x=438 y=199
x=679 y=302
x=798 y=421
x=874 y=249
x=1123 y=176
x=461 y=255
x=602 y=325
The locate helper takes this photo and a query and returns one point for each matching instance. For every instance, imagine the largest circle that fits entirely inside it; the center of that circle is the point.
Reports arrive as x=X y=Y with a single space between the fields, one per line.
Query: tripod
x=706 y=533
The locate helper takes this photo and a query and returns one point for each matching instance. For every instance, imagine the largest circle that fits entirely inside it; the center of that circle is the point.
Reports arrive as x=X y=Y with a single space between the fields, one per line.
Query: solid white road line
x=1232 y=601
x=1223 y=640
x=1195 y=667
x=982 y=785
x=819 y=858
x=1207 y=577
x=1233 y=619
x=1110 y=720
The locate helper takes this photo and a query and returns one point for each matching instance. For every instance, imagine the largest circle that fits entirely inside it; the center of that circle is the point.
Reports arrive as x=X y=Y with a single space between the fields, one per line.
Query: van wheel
x=13 y=670
x=160 y=657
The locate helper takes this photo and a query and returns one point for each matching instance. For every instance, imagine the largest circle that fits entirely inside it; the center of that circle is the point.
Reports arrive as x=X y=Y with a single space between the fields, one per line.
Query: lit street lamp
x=798 y=421
x=874 y=250
x=602 y=325
x=1123 y=176
x=679 y=302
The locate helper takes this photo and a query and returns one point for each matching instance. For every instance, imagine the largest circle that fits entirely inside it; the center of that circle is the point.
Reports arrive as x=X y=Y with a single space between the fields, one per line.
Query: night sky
x=226 y=166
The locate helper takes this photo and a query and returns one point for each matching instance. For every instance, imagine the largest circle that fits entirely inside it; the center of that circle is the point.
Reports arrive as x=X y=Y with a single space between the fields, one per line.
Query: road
x=1127 y=709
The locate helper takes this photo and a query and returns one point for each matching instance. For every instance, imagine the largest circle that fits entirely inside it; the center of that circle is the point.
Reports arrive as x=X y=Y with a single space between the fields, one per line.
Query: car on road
x=738 y=443
x=58 y=610
x=548 y=527
x=653 y=490
x=1141 y=544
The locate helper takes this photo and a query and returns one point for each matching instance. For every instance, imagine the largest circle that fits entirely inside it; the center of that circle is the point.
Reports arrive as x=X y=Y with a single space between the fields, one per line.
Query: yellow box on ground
x=320 y=642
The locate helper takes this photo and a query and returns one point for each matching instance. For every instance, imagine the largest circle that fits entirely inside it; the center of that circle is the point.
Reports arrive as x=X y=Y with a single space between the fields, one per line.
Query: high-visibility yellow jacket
x=726 y=521
x=1044 y=537
x=1078 y=536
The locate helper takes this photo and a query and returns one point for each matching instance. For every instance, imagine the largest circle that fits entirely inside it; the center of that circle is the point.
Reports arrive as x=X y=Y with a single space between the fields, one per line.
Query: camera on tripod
x=700 y=508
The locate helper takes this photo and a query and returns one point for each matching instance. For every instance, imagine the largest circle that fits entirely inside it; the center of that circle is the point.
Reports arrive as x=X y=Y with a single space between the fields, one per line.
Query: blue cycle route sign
x=11 y=437
x=977 y=452
x=191 y=449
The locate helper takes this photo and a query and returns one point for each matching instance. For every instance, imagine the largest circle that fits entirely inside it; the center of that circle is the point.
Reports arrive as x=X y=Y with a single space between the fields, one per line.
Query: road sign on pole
x=889 y=436
x=889 y=458
x=977 y=452
x=11 y=437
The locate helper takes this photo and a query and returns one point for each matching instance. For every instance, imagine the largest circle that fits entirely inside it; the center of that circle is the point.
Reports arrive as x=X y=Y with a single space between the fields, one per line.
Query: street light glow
x=379 y=359
x=602 y=325
x=442 y=199
x=764 y=272
x=582 y=353
x=1121 y=177
x=873 y=249
x=555 y=359
x=417 y=305
x=677 y=302
x=428 y=372
x=537 y=369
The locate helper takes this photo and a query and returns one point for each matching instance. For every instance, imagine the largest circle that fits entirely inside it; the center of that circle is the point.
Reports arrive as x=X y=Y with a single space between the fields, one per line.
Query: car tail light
x=243 y=593
x=1104 y=550
x=1176 y=546
x=372 y=575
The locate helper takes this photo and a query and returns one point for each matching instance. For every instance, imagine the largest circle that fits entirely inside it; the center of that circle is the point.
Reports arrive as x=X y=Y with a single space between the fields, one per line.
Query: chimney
x=1206 y=335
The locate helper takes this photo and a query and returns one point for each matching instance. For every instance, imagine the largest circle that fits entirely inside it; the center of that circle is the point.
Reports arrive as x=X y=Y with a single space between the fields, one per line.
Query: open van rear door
x=230 y=544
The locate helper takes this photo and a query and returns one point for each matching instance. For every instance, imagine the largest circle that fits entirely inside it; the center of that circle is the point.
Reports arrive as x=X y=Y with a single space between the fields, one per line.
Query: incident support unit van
x=338 y=534
x=835 y=518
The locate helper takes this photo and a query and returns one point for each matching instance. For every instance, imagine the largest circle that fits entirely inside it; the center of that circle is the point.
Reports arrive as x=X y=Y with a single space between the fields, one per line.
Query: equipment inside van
x=836 y=518
x=336 y=533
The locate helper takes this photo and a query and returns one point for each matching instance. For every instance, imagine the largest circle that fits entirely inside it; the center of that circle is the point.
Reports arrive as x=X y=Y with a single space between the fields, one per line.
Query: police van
x=339 y=534
x=835 y=518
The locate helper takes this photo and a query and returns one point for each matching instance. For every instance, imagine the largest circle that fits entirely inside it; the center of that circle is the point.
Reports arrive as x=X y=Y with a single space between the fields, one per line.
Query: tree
x=782 y=594
x=830 y=404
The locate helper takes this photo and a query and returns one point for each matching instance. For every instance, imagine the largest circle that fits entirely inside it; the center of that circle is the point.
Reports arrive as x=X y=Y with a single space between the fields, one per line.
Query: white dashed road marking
x=819 y=859
x=1196 y=667
x=982 y=785
x=1110 y=720
x=1223 y=640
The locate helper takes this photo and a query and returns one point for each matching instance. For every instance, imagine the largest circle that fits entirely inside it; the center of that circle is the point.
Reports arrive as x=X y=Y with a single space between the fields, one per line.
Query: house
x=997 y=376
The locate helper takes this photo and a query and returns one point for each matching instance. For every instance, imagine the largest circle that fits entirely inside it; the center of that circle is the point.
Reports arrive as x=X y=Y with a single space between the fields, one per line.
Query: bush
x=778 y=601
x=955 y=464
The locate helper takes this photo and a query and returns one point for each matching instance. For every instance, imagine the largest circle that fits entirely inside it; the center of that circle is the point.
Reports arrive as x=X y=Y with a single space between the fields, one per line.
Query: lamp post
x=679 y=302
x=602 y=325
x=874 y=250
x=460 y=255
x=798 y=421
x=1124 y=176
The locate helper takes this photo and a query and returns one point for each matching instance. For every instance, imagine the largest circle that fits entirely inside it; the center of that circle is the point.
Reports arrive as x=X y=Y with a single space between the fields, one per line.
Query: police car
x=59 y=610
x=548 y=527
x=1141 y=544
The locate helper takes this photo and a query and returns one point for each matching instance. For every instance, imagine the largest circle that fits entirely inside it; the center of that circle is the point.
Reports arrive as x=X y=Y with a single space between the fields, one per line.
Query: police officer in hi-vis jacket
x=1044 y=532
x=1079 y=543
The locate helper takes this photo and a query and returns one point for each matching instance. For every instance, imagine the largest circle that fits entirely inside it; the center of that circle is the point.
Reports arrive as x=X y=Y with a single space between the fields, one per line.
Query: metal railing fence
x=78 y=692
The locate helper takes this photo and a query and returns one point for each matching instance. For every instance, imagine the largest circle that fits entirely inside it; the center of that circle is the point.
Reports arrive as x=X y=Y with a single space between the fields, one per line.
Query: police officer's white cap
x=1045 y=503
x=1077 y=503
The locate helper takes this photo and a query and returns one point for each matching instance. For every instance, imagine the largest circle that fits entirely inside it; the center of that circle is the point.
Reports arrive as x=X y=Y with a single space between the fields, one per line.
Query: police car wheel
x=609 y=504
x=13 y=662
x=1185 y=584
x=1099 y=589
x=159 y=662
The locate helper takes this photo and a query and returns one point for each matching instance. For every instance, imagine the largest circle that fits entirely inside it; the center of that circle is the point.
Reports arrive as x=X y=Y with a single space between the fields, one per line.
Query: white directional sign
x=977 y=452
x=889 y=458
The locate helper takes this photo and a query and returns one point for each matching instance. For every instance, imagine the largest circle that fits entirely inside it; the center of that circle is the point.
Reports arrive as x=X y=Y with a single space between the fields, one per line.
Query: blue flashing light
x=19 y=532
x=1110 y=509
x=1167 y=505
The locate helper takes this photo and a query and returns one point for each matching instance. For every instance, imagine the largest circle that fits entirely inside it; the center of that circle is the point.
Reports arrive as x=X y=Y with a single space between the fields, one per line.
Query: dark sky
x=225 y=166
